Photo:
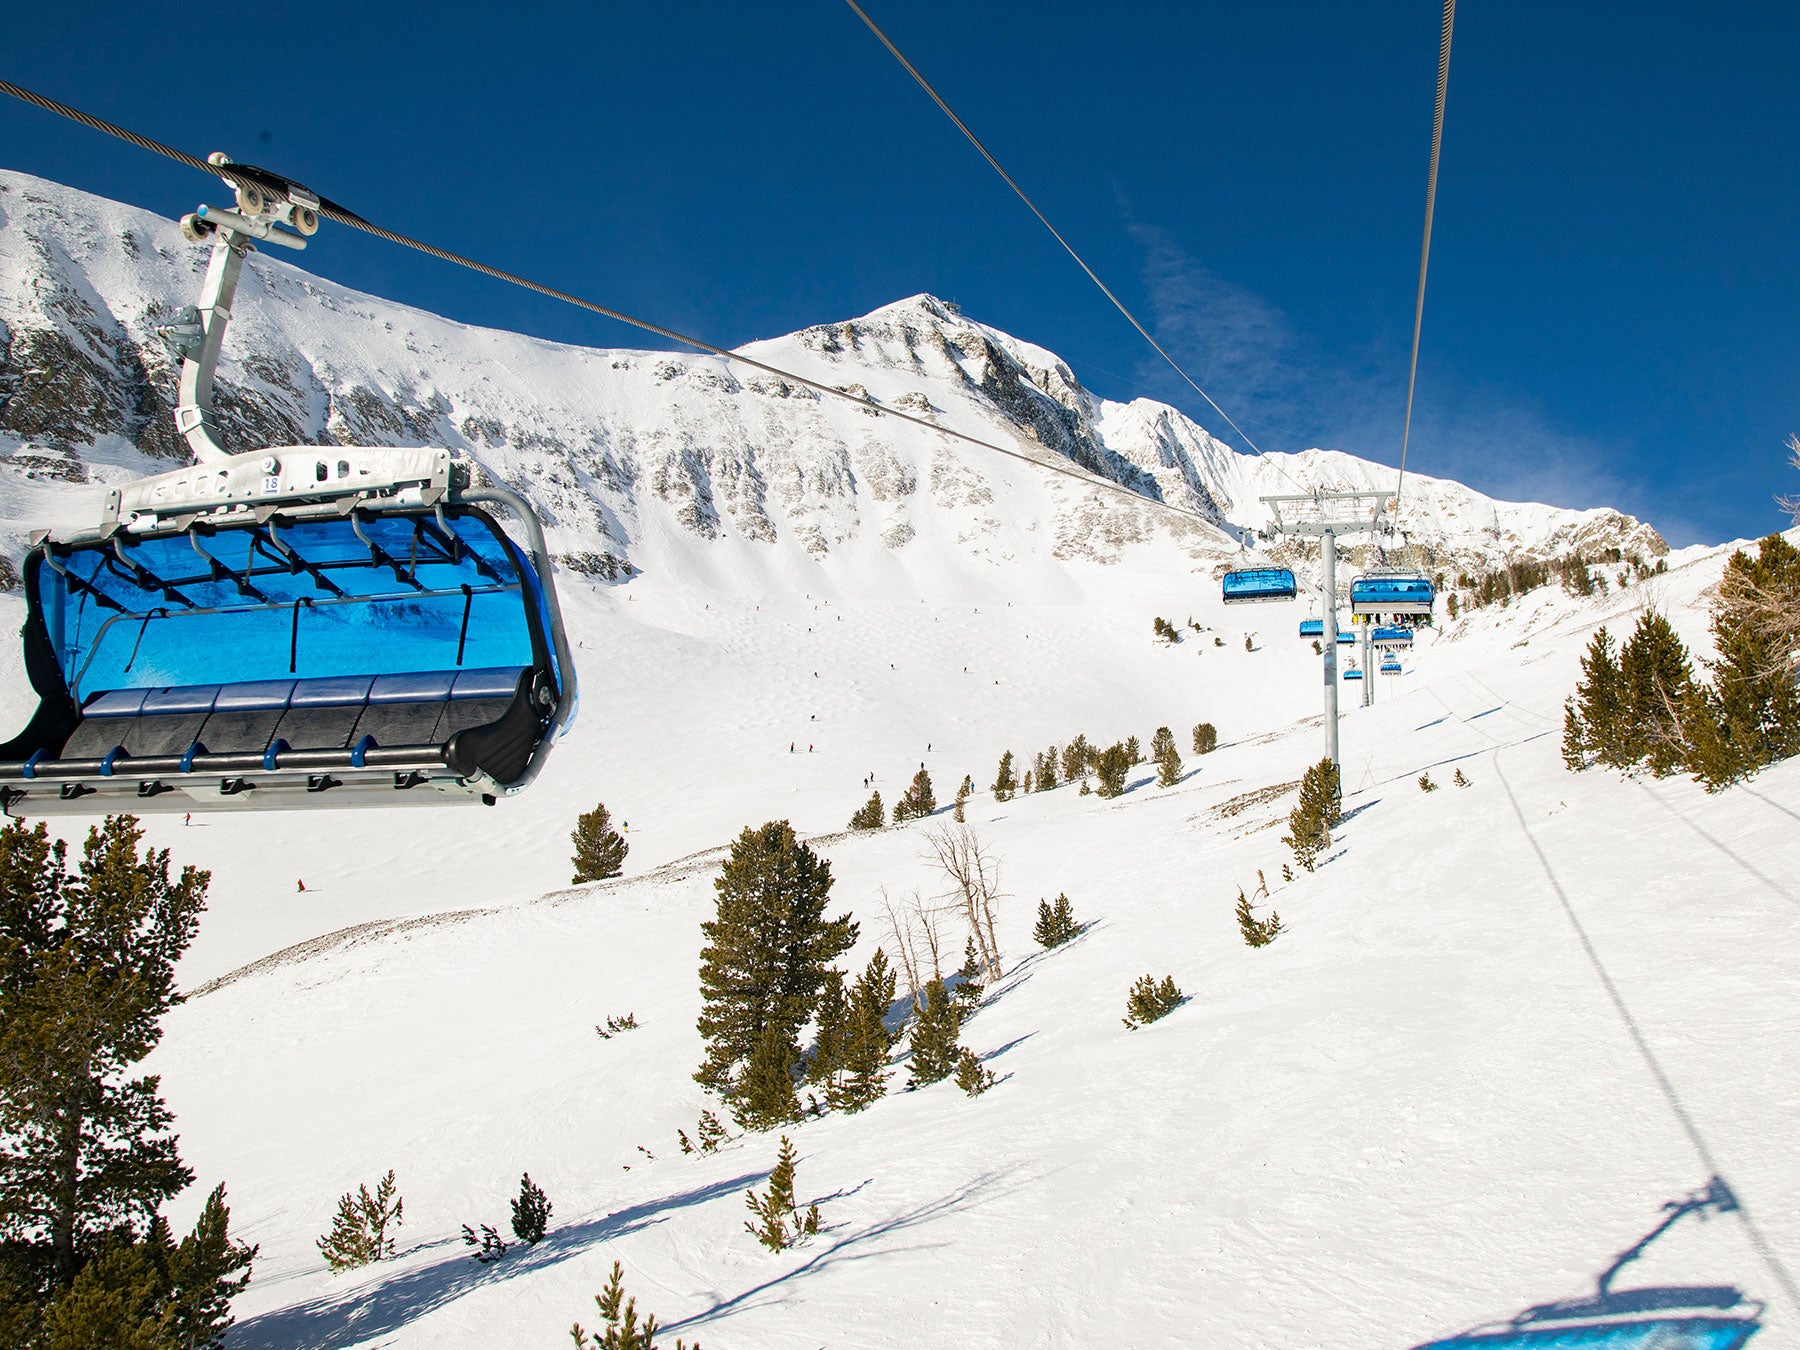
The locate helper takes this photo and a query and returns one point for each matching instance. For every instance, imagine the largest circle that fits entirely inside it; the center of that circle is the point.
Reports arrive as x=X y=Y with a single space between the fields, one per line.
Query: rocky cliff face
x=618 y=448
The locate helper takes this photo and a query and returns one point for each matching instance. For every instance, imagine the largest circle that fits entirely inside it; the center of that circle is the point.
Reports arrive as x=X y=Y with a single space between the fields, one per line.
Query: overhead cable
x=250 y=175
x=1431 y=177
x=1068 y=248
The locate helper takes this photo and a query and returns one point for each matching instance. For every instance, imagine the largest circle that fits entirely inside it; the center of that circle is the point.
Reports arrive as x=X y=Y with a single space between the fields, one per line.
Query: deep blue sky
x=1614 y=315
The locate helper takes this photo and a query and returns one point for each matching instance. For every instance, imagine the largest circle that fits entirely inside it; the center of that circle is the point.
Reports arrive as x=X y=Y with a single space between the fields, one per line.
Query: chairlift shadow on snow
x=1651 y=1317
x=338 y=1320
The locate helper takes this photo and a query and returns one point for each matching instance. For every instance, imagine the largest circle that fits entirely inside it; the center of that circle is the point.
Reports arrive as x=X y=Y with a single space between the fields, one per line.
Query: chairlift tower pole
x=1324 y=516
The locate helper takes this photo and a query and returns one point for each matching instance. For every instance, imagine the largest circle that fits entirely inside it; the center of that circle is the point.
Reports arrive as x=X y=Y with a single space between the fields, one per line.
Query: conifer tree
x=1047 y=770
x=967 y=995
x=1111 y=768
x=1004 y=782
x=1754 y=703
x=359 y=1231
x=867 y=1039
x=1150 y=1001
x=919 y=800
x=1257 y=932
x=972 y=1076
x=1055 y=923
x=869 y=816
x=599 y=849
x=1029 y=786
x=780 y=1224
x=86 y=973
x=763 y=967
x=620 y=1316
x=1206 y=738
x=1574 y=739
x=1653 y=678
x=1600 y=704
x=1133 y=750
x=962 y=796
x=154 y=1294
x=764 y=1096
x=1077 y=756
x=831 y=1040
x=1315 y=815
x=530 y=1212
x=933 y=1043
x=1167 y=757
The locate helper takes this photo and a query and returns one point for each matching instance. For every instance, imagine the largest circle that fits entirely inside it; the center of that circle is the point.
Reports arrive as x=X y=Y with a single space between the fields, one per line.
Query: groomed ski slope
x=1416 y=1111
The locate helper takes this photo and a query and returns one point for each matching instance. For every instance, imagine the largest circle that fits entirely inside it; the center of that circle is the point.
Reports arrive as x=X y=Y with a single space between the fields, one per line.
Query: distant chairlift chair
x=303 y=626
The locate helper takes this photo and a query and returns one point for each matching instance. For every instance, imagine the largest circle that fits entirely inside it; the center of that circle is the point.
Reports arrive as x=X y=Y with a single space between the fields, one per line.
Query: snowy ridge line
x=614 y=447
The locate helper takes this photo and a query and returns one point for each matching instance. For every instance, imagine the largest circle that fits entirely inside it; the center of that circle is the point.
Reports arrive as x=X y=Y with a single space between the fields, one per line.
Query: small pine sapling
x=1460 y=779
x=962 y=795
x=1249 y=642
x=599 y=849
x=614 y=1025
x=1425 y=783
x=1219 y=641
x=1257 y=932
x=1167 y=757
x=359 y=1232
x=1004 y=782
x=620 y=1315
x=1030 y=784
x=919 y=800
x=1112 y=767
x=530 y=1212
x=1287 y=873
x=971 y=1075
x=1055 y=923
x=1133 y=750
x=867 y=1039
x=869 y=816
x=779 y=1223
x=1150 y=1001
x=1206 y=738
x=489 y=1247
x=967 y=996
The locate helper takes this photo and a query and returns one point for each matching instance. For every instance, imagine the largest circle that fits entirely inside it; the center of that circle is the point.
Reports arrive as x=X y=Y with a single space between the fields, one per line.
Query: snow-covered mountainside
x=620 y=448
x=1417 y=1111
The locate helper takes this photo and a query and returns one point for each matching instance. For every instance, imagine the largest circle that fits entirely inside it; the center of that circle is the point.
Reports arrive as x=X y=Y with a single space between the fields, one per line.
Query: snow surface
x=1415 y=1112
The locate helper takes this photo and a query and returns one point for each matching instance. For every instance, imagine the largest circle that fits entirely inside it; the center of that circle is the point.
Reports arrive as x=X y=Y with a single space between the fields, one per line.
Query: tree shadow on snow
x=846 y=1248
x=382 y=1309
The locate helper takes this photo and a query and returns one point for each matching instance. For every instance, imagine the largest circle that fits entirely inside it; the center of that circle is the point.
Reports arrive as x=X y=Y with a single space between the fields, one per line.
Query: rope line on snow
x=1044 y=220
x=249 y=175
x=1431 y=177
x=1686 y=1121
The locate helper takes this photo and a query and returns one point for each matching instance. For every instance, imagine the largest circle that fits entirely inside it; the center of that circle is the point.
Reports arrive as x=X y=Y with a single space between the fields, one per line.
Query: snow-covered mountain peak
x=634 y=458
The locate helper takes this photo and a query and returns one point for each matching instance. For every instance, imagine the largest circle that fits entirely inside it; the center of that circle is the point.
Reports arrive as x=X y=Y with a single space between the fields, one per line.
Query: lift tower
x=1324 y=516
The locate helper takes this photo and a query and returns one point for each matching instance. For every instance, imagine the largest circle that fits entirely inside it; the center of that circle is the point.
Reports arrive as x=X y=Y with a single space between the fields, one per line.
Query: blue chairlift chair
x=304 y=626
x=1249 y=585
x=1391 y=592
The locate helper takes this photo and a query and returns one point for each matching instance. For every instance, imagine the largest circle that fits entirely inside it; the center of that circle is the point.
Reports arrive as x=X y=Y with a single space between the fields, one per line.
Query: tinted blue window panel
x=308 y=601
x=1259 y=583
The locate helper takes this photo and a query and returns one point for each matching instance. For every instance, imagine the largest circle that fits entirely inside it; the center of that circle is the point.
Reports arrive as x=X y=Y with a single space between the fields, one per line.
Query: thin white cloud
x=1245 y=352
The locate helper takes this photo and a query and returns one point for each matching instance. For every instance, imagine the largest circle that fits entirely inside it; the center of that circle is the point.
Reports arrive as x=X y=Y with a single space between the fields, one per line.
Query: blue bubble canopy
x=369 y=657
x=1248 y=585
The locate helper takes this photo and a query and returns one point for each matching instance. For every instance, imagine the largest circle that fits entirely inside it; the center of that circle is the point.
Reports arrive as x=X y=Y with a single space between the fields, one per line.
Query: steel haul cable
x=249 y=175
x=1431 y=177
x=1068 y=248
